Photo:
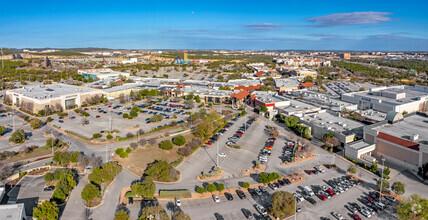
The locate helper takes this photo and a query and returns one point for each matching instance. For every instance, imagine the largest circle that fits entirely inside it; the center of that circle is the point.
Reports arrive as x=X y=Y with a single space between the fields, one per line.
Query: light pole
x=381 y=179
x=295 y=208
x=106 y=154
x=217 y=156
x=13 y=121
x=52 y=140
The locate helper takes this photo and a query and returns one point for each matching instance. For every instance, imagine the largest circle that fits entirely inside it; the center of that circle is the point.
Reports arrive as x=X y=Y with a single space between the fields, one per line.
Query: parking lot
x=28 y=192
x=99 y=119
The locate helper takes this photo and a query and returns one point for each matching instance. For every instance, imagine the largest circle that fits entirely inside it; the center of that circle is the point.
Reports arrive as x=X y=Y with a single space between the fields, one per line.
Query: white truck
x=308 y=191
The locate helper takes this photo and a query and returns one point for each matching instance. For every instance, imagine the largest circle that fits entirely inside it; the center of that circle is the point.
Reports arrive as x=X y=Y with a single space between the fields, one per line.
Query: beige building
x=54 y=97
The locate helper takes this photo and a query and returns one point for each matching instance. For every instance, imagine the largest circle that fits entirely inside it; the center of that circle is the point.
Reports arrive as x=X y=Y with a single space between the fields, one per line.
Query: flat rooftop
x=287 y=82
x=269 y=97
x=207 y=92
x=413 y=124
x=298 y=106
x=411 y=95
x=105 y=71
x=51 y=91
x=358 y=145
x=332 y=122
x=244 y=82
x=320 y=99
x=11 y=211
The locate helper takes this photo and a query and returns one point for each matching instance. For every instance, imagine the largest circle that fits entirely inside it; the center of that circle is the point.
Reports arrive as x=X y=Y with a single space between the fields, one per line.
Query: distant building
x=55 y=97
x=268 y=99
x=101 y=74
x=345 y=56
x=385 y=99
x=287 y=84
x=306 y=73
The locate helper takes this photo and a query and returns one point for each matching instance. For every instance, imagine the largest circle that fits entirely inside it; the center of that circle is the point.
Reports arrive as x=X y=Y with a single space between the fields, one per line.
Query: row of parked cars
x=265 y=152
x=238 y=134
x=288 y=152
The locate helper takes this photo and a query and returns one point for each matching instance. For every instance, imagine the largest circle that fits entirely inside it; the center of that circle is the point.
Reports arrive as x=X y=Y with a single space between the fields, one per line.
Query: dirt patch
x=261 y=169
x=213 y=178
x=137 y=160
x=298 y=160
x=132 y=128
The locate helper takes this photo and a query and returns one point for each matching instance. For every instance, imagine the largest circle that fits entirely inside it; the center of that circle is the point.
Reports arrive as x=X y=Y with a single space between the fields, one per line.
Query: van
x=308 y=191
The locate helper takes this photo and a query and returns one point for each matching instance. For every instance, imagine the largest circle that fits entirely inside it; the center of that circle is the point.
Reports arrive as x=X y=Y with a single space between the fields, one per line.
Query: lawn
x=41 y=151
x=137 y=160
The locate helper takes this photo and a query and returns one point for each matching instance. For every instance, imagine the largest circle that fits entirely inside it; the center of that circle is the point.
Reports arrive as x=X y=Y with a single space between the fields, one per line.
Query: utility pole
x=381 y=180
x=217 y=156
x=2 y=63
x=295 y=208
x=52 y=140
x=13 y=121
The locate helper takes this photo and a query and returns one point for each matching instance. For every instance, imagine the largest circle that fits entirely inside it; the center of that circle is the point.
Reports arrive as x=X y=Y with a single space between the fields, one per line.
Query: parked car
x=337 y=215
x=261 y=209
x=216 y=198
x=355 y=216
x=241 y=194
x=228 y=196
x=177 y=201
x=218 y=216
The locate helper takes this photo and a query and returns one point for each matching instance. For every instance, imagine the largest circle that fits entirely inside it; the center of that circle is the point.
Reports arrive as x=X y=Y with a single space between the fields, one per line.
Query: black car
x=60 y=121
x=228 y=196
x=252 y=192
x=218 y=216
x=49 y=188
x=247 y=213
x=281 y=182
x=311 y=200
x=287 y=181
x=130 y=201
x=241 y=194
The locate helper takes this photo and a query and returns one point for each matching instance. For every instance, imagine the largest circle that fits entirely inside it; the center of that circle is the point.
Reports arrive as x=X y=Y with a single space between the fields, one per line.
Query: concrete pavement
x=75 y=207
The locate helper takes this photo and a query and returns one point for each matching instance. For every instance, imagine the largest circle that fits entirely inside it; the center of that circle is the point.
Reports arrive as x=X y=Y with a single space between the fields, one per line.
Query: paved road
x=75 y=207
x=111 y=197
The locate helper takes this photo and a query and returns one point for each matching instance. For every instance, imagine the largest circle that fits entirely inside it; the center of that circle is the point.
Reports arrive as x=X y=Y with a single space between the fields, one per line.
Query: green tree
x=146 y=188
x=161 y=170
x=274 y=176
x=41 y=112
x=201 y=190
x=18 y=136
x=398 y=188
x=352 y=169
x=166 y=145
x=264 y=108
x=156 y=118
x=154 y=211
x=109 y=136
x=46 y=211
x=119 y=151
x=74 y=156
x=125 y=115
x=283 y=204
x=121 y=215
x=203 y=130
x=90 y=192
x=413 y=207
x=49 y=177
x=128 y=150
x=180 y=215
x=211 y=188
x=35 y=123
x=96 y=135
x=246 y=185
x=2 y=129
x=385 y=184
x=386 y=172
x=291 y=121
x=308 y=79
x=220 y=187
x=179 y=140
x=264 y=178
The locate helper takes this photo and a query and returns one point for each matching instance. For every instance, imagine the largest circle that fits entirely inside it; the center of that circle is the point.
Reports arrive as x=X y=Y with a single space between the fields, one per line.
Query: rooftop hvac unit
x=344 y=125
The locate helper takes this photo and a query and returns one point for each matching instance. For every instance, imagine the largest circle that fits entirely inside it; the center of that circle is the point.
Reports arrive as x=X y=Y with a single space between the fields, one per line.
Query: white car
x=365 y=212
x=298 y=197
x=177 y=201
x=261 y=209
x=216 y=198
x=337 y=215
x=222 y=155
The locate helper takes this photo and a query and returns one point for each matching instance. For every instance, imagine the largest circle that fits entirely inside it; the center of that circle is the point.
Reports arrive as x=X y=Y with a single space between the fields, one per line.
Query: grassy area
x=137 y=161
x=39 y=152
x=174 y=193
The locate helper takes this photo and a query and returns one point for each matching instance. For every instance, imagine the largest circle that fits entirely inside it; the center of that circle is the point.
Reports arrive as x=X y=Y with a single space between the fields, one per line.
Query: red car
x=97 y=116
x=355 y=216
x=239 y=133
x=309 y=172
x=86 y=109
x=109 y=106
x=330 y=192
x=322 y=197
x=208 y=143
x=369 y=199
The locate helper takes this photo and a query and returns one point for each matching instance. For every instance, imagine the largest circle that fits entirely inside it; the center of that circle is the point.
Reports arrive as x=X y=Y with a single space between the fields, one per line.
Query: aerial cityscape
x=214 y=110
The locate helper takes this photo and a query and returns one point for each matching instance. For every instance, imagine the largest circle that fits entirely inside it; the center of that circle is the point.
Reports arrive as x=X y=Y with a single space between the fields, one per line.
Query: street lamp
x=295 y=208
x=381 y=179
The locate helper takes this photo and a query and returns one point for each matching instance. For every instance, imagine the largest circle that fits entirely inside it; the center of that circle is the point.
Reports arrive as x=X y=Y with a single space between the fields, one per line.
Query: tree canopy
x=283 y=204
x=413 y=207
x=146 y=188
x=90 y=192
x=46 y=211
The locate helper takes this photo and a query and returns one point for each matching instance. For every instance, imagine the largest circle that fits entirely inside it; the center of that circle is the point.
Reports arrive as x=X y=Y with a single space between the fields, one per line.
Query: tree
x=263 y=109
x=203 y=130
x=385 y=184
x=161 y=170
x=166 y=145
x=373 y=167
x=154 y=211
x=109 y=136
x=18 y=136
x=2 y=129
x=90 y=192
x=35 y=123
x=146 y=188
x=386 y=172
x=246 y=185
x=211 y=188
x=121 y=215
x=46 y=211
x=184 y=151
x=179 y=140
x=125 y=115
x=283 y=204
x=264 y=178
x=220 y=187
x=142 y=142
x=201 y=190
x=96 y=135
x=352 y=169
x=291 y=121
x=398 y=188
x=74 y=156
x=156 y=118
x=413 y=207
x=308 y=79
x=180 y=215
x=48 y=177
x=274 y=176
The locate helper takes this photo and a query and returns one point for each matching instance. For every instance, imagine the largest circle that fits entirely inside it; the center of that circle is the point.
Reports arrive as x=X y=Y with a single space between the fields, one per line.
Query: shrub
x=123 y=154
x=211 y=188
x=109 y=136
x=128 y=150
x=41 y=112
x=220 y=187
x=165 y=145
x=125 y=115
x=90 y=192
x=48 y=177
x=86 y=114
x=156 y=118
x=246 y=185
x=184 y=151
x=96 y=135
x=179 y=140
x=119 y=151
x=133 y=145
x=201 y=190
x=18 y=136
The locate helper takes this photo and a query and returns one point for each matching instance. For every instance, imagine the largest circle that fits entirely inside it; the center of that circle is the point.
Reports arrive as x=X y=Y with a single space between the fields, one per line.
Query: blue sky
x=307 y=25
